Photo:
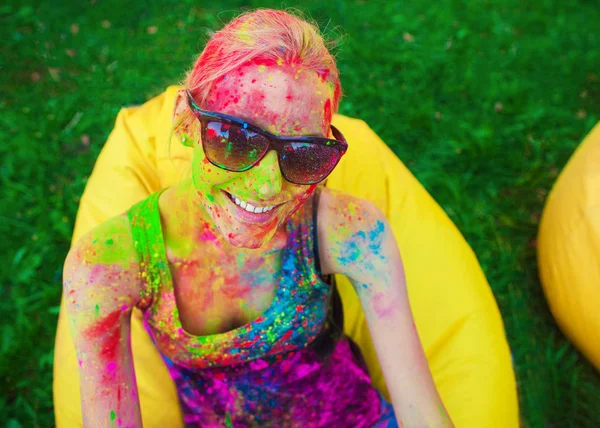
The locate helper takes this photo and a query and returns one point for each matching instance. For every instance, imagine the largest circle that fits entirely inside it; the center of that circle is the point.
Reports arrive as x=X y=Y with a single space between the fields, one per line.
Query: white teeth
x=251 y=208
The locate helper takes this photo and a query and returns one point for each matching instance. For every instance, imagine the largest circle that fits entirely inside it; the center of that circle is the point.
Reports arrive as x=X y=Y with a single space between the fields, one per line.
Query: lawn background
x=483 y=100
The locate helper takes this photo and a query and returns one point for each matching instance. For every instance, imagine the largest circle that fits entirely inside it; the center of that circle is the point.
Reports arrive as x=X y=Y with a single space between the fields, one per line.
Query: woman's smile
x=252 y=212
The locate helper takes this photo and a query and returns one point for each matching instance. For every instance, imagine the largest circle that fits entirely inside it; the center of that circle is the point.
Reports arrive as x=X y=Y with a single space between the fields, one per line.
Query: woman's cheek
x=206 y=175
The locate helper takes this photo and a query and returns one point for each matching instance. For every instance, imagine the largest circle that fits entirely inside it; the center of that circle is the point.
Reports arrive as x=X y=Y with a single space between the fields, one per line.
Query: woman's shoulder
x=105 y=253
x=343 y=221
x=344 y=209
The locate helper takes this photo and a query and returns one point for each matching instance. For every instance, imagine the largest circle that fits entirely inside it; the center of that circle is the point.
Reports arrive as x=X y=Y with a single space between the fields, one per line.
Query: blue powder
x=359 y=245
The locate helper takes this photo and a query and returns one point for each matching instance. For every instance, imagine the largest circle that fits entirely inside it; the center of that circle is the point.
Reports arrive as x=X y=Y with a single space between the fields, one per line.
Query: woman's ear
x=182 y=123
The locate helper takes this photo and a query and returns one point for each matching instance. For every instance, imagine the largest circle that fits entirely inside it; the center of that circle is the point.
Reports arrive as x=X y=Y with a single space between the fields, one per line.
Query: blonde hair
x=282 y=36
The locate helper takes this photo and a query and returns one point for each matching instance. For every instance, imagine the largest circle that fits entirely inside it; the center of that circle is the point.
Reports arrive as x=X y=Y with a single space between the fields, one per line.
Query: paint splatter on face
x=282 y=100
x=327 y=113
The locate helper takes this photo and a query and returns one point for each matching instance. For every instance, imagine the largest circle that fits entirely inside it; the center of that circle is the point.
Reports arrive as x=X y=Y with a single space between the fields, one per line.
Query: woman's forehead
x=282 y=99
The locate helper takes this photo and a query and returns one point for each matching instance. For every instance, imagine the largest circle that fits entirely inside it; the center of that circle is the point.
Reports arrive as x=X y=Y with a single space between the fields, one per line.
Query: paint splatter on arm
x=360 y=244
x=100 y=288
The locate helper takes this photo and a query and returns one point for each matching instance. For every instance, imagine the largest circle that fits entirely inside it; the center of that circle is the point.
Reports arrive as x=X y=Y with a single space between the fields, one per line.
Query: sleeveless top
x=288 y=367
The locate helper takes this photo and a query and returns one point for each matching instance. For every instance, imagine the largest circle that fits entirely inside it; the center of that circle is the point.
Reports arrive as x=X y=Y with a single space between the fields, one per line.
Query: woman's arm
x=361 y=245
x=101 y=288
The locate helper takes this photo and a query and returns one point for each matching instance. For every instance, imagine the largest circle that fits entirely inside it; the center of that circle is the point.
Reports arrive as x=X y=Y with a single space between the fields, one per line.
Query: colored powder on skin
x=384 y=306
x=110 y=345
x=228 y=423
x=351 y=210
x=443 y=412
x=327 y=113
x=207 y=234
x=351 y=252
x=332 y=89
x=109 y=375
x=110 y=322
x=110 y=242
x=375 y=236
x=323 y=74
x=108 y=329
x=354 y=247
x=376 y=239
x=97 y=310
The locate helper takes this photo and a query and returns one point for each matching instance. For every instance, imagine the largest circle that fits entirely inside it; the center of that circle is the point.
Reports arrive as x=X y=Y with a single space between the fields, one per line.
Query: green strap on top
x=144 y=218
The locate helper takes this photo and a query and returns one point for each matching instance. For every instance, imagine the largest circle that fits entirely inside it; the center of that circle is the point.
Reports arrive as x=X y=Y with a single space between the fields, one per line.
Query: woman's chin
x=240 y=234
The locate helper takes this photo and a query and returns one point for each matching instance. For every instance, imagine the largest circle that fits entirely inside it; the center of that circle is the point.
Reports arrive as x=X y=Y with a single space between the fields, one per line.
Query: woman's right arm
x=101 y=287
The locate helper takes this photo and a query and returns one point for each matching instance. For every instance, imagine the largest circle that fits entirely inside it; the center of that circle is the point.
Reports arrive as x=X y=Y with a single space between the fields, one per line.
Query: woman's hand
x=361 y=245
x=100 y=280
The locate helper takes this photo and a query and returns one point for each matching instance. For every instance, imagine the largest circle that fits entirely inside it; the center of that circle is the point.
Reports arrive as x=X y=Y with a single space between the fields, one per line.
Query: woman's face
x=284 y=101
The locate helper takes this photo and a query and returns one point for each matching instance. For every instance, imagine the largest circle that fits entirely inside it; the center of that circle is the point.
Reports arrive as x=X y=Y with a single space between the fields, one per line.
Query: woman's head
x=270 y=35
x=273 y=70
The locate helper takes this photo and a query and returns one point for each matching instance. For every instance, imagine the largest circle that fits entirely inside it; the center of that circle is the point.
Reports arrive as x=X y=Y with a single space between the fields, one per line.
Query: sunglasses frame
x=274 y=142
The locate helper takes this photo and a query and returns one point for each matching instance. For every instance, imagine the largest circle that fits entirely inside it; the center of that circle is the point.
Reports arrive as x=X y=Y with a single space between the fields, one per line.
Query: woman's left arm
x=361 y=245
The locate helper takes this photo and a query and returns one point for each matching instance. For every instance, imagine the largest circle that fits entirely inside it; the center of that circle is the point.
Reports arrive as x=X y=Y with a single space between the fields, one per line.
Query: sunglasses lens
x=231 y=146
x=307 y=163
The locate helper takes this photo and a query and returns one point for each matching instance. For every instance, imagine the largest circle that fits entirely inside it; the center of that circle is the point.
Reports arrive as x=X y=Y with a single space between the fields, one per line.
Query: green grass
x=484 y=101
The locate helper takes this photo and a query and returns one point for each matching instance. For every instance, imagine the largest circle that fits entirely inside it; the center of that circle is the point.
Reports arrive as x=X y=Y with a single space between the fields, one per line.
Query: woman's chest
x=277 y=305
x=216 y=293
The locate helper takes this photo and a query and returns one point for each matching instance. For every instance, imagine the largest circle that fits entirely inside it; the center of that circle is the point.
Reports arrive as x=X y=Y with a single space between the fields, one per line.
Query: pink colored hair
x=269 y=35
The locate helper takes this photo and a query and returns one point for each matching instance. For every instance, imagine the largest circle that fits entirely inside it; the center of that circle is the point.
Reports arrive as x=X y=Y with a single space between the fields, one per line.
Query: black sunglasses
x=236 y=145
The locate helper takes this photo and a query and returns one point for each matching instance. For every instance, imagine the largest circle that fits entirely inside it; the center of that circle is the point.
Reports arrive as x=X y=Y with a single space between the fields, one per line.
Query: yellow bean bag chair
x=456 y=314
x=568 y=248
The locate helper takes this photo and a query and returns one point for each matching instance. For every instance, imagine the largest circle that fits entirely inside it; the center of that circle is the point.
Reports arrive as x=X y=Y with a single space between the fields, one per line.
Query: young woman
x=232 y=267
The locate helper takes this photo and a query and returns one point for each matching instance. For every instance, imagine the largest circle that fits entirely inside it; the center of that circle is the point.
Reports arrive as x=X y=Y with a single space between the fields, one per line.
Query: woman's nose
x=265 y=179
